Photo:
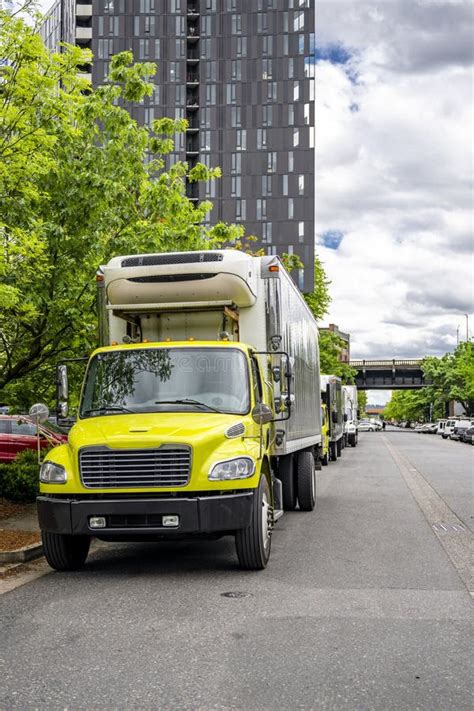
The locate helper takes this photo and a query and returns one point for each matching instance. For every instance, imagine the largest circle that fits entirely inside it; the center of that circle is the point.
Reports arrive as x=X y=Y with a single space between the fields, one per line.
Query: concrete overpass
x=394 y=374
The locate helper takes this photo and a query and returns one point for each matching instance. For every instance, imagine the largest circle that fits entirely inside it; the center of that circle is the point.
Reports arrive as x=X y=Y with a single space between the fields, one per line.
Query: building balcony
x=83 y=34
x=83 y=10
x=192 y=78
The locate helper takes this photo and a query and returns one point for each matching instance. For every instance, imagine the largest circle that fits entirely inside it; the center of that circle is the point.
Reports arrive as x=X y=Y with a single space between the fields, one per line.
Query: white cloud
x=394 y=171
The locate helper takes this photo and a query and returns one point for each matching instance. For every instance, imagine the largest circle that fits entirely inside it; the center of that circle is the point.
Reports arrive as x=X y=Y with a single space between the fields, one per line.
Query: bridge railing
x=394 y=362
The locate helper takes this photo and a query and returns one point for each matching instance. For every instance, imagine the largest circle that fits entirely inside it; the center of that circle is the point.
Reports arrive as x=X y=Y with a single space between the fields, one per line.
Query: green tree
x=319 y=300
x=330 y=347
x=421 y=405
x=452 y=376
x=362 y=402
x=80 y=181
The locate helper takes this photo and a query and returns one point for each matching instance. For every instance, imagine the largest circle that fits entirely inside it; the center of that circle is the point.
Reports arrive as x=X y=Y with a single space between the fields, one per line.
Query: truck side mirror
x=334 y=417
x=62 y=389
x=262 y=414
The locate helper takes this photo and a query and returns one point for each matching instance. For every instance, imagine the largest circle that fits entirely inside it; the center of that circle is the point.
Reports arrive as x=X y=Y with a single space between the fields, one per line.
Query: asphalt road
x=364 y=605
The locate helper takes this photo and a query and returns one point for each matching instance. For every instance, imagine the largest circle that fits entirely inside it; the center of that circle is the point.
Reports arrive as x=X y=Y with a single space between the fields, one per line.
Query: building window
x=291 y=161
x=267 y=232
x=235 y=117
x=211 y=5
x=240 y=209
x=262 y=22
x=147 y=6
x=149 y=115
x=206 y=26
x=241 y=47
x=267 y=68
x=272 y=91
x=174 y=69
x=296 y=91
x=205 y=140
x=307 y=114
x=300 y=44
x=105 y=48
x=236 y=69
x=298 y=22
x=267 y=115
x=175 y=6
x=291 y=208
x=301 y=231
x=266 y=185
x=261 y=138
x=272 y=162
x=236 y=24
x=301 y=184
x=148 y=24
x=206 y=118
x=291 y=68
x=236 y=163
x=231 y=95
x=291 y=115
x=236 y=186
x=241 y=139
x=157 y=49
x=267 y=46
x=261 y=209
x=180 y=26
x=210 y=94
x=296 y=137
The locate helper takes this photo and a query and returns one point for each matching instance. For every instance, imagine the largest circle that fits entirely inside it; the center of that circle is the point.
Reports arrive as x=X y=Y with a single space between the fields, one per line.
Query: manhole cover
x=236 y=593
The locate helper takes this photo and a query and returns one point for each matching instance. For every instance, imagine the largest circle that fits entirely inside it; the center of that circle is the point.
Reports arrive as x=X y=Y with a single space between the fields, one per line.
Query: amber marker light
x=274 y=268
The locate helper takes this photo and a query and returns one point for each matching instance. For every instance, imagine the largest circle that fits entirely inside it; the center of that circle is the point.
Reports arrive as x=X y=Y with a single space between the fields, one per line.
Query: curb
x=22 y=555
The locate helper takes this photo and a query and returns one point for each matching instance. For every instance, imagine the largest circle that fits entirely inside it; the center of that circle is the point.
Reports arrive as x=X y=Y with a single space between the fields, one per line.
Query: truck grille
x=148 y=260
x=101 y=467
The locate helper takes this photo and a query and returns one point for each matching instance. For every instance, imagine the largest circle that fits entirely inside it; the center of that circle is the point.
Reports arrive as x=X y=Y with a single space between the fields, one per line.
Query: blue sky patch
x=332 y=238
x=334 y=53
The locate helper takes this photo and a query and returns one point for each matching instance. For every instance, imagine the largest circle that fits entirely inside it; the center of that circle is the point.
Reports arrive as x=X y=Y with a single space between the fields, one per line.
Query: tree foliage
x=451 y=378
x=80 y=181
x=330 y=346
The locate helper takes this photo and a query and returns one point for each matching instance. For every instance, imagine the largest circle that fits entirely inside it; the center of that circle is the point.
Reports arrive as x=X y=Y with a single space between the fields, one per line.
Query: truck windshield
x=166 y=379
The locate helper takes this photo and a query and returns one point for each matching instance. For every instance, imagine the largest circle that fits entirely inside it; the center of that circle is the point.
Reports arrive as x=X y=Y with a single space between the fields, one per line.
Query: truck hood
x=150 y=429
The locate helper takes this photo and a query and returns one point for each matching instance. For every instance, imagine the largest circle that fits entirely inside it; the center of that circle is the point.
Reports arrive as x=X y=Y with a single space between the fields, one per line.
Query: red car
x=18 y=432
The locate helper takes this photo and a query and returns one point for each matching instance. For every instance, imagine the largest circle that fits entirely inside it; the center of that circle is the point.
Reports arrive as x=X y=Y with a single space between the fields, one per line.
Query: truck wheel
x=306 y=472
x=286 y=474
x=253 y=544
x=65 y=552
x=332 y=452
x=339 y=447
x=325 y=459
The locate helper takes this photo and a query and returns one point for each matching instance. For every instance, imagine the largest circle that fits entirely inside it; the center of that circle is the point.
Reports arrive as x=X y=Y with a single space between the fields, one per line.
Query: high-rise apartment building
x=242 y=73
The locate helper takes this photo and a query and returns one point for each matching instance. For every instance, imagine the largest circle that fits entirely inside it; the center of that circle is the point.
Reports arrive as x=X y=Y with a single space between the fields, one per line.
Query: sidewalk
x=20 y=538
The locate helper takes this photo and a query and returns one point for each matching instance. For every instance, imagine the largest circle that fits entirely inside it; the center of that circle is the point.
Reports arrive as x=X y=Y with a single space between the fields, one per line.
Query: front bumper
x=142 y=517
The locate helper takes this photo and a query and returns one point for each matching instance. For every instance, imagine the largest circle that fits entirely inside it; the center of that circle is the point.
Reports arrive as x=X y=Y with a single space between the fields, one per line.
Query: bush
x=19 y=480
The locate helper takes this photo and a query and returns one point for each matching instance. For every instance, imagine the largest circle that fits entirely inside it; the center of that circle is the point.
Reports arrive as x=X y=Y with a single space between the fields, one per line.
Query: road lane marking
x=452 y=533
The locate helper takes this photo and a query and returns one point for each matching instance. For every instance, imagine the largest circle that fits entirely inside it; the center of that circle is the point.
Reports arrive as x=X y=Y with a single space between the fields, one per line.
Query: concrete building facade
x=242 y=73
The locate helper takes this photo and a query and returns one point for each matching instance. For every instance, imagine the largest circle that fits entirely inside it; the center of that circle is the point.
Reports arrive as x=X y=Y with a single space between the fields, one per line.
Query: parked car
x=449 y=427
x=441 y=426
x=468 y=436
x=18 y=432
x=459 y=429
x=430 y=428
x=367 y=426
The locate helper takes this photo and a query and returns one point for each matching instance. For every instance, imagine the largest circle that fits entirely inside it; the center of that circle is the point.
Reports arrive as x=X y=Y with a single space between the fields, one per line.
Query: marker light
x=274 y=268
x=51 y=473
x=170 y=521
x=97 y=522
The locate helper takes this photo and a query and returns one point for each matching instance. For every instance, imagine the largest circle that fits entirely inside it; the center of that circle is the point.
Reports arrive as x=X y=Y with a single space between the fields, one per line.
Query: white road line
x=456 y=539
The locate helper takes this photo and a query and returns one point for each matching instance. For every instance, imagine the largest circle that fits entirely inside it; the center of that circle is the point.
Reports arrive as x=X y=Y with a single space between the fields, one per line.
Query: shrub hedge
x=19 y=479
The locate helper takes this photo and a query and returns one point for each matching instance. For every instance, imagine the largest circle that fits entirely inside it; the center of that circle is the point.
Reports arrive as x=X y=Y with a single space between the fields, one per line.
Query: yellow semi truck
x=200 y=412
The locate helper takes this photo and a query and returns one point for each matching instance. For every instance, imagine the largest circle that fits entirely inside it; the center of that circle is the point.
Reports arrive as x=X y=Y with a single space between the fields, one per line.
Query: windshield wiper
x=117 y=408
x=187 y=401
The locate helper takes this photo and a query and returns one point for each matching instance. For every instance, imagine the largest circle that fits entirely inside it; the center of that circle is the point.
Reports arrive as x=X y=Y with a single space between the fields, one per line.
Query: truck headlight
x=238 y=468
x=52 y=473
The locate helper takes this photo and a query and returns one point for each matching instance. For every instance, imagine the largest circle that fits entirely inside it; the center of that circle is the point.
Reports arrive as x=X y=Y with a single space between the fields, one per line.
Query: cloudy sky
x=394 y=170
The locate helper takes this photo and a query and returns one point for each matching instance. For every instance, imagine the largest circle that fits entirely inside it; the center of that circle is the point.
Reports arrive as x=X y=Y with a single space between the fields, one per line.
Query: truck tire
x=253 y=544
x=286 y=474
x=332 y=451
x=325 y=459
x=306 y=473
x=65 y=552
x=339 y=447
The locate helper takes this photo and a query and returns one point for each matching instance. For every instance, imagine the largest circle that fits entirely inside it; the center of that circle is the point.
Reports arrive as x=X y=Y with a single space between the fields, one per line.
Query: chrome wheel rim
x=265 y=521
